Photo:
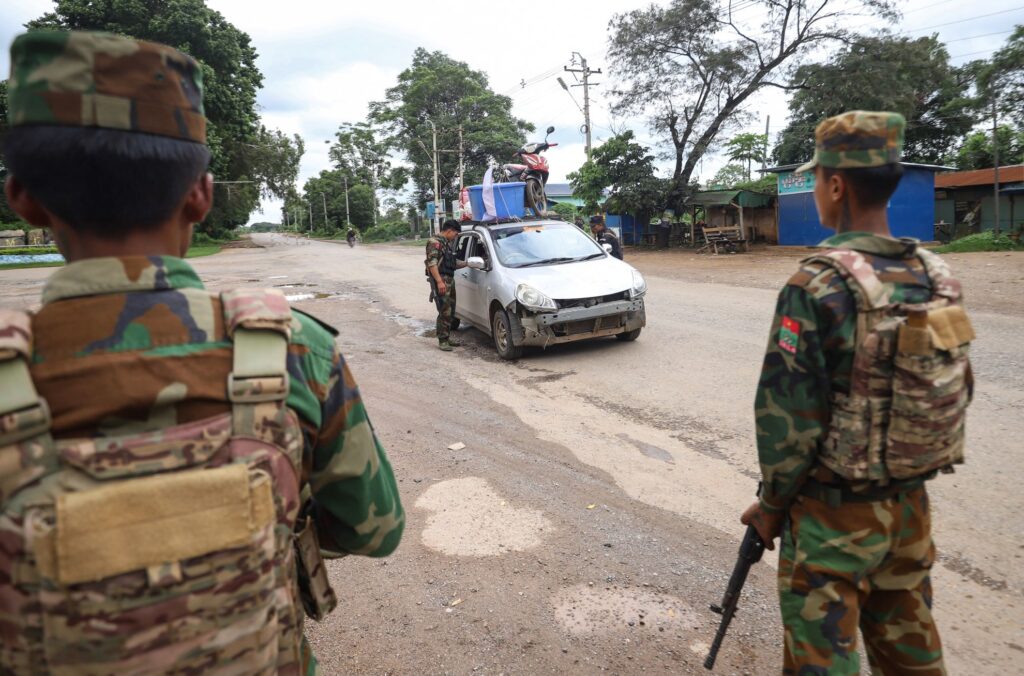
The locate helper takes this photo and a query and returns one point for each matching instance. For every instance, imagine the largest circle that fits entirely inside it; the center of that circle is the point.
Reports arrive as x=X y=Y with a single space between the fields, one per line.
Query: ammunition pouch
x=315 y=592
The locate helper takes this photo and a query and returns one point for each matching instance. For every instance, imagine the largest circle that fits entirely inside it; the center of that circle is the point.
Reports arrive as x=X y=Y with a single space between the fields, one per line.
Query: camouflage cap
x=104 y=80
x=858 y=139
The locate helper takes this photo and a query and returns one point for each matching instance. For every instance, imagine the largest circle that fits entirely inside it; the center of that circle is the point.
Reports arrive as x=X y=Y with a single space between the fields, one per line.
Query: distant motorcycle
x=534 y=173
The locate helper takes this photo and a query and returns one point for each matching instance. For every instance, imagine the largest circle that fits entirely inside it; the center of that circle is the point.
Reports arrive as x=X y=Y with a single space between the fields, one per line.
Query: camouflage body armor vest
x=169 y=551
x=911 y=382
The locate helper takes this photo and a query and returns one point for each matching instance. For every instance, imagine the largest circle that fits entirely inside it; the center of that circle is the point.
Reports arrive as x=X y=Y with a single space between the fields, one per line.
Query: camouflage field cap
x=87 y=79
x=858 y=139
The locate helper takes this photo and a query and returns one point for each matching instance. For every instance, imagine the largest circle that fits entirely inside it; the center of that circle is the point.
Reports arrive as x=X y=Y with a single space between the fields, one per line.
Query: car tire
x=629 y=336
x=501 y=332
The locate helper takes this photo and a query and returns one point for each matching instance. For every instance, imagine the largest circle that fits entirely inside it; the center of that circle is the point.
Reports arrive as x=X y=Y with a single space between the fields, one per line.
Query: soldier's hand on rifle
x=768 y=525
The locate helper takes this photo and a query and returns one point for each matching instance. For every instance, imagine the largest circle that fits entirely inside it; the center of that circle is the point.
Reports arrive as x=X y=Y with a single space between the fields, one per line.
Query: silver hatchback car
x=544 y=282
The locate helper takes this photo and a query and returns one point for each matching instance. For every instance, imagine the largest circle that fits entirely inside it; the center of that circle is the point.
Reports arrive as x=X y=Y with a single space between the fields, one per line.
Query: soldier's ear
x=198 y=200
x=838 y=187
x=25 y=205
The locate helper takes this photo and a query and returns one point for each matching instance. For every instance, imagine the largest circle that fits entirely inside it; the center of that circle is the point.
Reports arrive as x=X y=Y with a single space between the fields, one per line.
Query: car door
x=470 y=284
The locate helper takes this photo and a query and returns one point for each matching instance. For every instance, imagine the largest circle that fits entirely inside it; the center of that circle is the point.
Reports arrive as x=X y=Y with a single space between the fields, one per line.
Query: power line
x=971 y=18
x=975 y=37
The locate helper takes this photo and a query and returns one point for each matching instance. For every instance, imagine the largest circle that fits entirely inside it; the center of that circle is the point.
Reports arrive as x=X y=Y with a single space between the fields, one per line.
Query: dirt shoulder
x=992 y=281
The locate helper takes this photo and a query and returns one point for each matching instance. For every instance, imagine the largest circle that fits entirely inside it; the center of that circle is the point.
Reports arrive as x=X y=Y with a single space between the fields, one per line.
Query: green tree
x=448 y=93
x=231 y=81
x=747 y=148
x=1002 y=79
x=977 y=152
x=911 y=76
x=7 y=214
x=693 y=65
x=728 y=176
x=627 y=169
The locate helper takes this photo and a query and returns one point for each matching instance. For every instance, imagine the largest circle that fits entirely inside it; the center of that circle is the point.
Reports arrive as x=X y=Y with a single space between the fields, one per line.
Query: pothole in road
x=418 y=327
x=649 y=450
x=293 y=297
x=469 y=518
x=585 y=610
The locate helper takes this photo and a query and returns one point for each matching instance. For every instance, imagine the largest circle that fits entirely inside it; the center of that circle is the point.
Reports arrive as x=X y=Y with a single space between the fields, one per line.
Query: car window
x=529 y=244
x=460 y=252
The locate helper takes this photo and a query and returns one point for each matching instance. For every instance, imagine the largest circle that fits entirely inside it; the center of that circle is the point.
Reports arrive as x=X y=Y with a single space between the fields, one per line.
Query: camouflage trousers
x=862 y=565
x=445 y=308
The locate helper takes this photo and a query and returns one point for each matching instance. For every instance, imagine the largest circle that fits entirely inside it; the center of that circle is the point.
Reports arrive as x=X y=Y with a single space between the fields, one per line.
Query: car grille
x=590 y=302
x=587 y=325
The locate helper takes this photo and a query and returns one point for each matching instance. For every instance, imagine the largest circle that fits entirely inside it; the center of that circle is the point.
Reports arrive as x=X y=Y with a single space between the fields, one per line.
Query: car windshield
x=543 y=244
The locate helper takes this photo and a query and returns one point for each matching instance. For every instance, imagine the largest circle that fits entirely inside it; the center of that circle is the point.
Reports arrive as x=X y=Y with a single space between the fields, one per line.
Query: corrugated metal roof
x=745 y=198
x=966 y=179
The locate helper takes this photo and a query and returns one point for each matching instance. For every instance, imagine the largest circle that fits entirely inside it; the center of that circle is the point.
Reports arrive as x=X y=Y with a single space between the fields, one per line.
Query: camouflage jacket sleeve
x=810 y=340
x=434 y=253
x=356 y=504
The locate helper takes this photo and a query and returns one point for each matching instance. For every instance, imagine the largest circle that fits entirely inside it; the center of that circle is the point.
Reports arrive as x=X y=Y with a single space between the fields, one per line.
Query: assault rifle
x=751 y=550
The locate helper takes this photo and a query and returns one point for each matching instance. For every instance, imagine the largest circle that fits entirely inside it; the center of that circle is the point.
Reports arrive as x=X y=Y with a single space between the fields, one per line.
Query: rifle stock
x=751 y=550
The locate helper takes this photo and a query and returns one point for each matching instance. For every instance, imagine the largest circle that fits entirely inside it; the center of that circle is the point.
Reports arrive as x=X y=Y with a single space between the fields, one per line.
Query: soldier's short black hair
x=871 y=186
x=451 y=224
x=104 y=181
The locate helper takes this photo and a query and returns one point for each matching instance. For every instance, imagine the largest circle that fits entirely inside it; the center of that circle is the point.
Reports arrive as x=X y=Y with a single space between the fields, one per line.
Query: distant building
x=753 y=212
x=965 y=199
x=911 y=209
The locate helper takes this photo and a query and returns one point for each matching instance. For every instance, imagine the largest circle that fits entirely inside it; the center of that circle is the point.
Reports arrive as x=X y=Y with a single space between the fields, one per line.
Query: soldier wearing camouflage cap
x=861 y=400
x=175 y=459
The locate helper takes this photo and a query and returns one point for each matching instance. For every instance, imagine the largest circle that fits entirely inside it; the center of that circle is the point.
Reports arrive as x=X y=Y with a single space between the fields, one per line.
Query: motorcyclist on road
x=351 y=237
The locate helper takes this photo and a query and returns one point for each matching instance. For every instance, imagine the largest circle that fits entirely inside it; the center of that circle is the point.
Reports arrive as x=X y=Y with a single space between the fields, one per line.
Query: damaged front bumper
x=578 y=323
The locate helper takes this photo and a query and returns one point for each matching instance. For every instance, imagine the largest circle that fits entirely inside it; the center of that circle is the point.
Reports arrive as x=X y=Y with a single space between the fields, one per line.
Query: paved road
x=592 y=516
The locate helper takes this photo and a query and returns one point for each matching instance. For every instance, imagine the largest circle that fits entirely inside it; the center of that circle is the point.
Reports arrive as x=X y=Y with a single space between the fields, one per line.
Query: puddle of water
x=299 y=296
x=650 y=450
x=420 y=328
x=9 y=259
x=278 y=277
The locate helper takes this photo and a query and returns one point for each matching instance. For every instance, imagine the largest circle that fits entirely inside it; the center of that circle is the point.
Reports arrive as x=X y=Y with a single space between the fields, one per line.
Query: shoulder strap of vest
x=24 y=415
x=258 y=321
x=944 y=284
x=859 y=275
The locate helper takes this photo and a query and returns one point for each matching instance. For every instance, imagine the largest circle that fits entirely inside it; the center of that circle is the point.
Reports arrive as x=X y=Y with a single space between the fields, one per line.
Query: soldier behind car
x=852 y=511
x=605 y=236
x=441 y=265
x=131 y=375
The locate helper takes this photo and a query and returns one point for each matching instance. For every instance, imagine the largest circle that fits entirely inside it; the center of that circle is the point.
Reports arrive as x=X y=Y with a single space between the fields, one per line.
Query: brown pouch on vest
x=318 y=598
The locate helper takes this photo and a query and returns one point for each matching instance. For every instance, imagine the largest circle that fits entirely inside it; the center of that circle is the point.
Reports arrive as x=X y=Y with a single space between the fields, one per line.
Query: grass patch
x=21 y=266
x=412 y=242
x=27 y=250
x=203 y=250
x=982 y=241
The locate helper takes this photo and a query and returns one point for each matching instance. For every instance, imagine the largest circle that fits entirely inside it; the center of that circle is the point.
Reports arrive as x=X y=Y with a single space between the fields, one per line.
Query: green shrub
x=982 y=241
x=387 y=232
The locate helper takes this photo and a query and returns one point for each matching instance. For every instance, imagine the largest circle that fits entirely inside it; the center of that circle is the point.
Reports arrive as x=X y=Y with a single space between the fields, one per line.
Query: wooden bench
x=727 y=237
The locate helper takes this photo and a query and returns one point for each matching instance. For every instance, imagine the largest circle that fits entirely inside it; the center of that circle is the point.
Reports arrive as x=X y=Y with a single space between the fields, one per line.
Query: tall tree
x=911 y=76
x=448 y=93
x=626 y=169
x=693 y=65
x=231 y=81
x=977 y=151
x=729 y=176
x=1002 y=80
x=746 y=149
x=7 y=215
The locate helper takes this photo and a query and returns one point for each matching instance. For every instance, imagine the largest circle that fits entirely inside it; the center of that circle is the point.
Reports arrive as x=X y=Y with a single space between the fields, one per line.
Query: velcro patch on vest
x=142 y=523
x=789 y=335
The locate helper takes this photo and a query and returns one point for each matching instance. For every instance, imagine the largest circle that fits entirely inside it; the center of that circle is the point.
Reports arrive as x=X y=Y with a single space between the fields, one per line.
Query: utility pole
x=310 y=205
x=995 y=156
x=461 y=166
x=345 y=181
x=437 y=188
x=587 y=72
x=326 y=226
x=764 y=155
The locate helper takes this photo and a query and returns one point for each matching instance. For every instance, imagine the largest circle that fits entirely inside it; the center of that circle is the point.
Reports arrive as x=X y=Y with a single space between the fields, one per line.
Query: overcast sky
x=324 y=61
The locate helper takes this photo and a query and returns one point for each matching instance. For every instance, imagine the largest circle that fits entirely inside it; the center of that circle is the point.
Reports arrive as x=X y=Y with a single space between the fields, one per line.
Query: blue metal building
x=911 y=209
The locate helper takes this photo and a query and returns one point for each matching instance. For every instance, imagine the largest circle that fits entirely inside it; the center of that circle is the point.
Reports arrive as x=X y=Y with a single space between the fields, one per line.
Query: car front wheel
x=628 y=336
x=501 y=331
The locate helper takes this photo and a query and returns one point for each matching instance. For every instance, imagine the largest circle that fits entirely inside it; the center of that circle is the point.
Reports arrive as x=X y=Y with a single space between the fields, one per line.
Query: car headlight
x=639 y=285
x=533 y=299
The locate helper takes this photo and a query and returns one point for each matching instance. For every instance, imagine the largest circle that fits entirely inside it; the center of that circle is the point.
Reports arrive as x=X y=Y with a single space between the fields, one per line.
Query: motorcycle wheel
x=536 y=198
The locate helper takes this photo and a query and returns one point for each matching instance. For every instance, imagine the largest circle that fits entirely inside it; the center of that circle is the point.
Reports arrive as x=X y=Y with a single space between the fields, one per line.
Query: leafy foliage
x=242 y=150
x=7 y=215
x=628 y=168
x=747 y=148
x=566 y=212
x=910 y=76
x=692 y=66
x=387 y=232
x=982 y=241
x=1002 y=78
x=448 y=93
x=977 y=152
x=728 y=176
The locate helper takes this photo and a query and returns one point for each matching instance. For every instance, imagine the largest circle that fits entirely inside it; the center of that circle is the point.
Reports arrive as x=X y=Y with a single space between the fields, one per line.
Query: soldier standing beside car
x=861 y=400
x=441 y=265
x=170 y=453
x=605 y=236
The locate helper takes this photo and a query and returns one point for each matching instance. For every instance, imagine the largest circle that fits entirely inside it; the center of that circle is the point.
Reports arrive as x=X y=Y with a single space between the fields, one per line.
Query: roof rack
x=550 y=216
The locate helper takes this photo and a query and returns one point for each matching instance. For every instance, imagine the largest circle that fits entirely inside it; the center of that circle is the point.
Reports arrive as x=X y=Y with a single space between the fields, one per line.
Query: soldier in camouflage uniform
x=856 y=546
x=140 y=371
x=441 y=265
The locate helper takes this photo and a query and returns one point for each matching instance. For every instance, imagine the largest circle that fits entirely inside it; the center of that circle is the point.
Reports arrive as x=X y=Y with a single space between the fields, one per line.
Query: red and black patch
x=789 y=335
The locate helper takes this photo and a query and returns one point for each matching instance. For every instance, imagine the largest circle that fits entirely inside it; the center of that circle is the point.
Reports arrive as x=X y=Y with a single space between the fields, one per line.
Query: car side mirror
x=607 y=248
x=476 y=263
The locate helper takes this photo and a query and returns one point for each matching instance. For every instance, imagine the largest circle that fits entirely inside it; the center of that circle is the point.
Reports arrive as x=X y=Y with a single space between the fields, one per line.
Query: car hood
x=586 y=279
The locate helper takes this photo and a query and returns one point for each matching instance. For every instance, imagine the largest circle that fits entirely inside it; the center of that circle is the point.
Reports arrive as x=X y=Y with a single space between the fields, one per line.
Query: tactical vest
x=447 y=266
x=911 y=381
x=172 y=551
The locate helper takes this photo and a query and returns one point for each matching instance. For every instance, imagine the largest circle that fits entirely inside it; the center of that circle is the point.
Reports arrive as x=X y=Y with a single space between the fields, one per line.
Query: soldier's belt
x=836 y=494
